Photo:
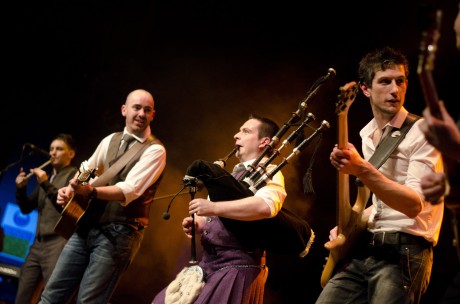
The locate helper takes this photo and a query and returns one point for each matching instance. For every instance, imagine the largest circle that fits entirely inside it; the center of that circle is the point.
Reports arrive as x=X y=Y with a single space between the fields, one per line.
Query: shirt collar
x=396 y=122
x=139 y=139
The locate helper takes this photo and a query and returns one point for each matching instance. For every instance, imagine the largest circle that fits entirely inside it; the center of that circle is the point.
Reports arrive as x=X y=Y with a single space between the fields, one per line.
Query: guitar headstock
x=347 y=95
x=430 y=21
x=85 y=173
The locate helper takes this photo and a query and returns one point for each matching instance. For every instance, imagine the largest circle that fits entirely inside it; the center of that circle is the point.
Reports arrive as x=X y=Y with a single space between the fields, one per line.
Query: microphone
x=37 y=149
x=166 y=215
x=195 y=185
x=330 y=73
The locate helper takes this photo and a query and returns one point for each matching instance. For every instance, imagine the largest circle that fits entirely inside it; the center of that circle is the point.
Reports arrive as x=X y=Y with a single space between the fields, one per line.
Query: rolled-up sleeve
x=273 y=193
x=146 y=172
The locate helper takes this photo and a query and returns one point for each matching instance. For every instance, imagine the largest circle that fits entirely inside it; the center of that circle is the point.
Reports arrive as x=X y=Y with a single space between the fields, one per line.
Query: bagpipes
x=285 y=233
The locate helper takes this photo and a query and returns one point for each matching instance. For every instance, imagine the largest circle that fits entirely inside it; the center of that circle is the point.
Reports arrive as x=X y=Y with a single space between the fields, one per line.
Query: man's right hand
x=187 y=225
x=40 y=174
x=334 y=239
x=64 y=195
x=443 y=134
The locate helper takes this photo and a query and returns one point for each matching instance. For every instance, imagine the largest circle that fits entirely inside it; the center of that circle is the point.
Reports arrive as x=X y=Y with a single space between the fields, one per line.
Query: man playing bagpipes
x=234 y=265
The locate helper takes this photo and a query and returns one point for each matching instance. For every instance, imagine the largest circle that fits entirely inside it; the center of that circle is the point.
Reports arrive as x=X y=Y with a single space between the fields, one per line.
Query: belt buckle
x=382 y=241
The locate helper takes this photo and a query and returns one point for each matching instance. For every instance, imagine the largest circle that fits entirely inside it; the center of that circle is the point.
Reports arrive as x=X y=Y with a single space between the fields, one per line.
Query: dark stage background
x=68 y=65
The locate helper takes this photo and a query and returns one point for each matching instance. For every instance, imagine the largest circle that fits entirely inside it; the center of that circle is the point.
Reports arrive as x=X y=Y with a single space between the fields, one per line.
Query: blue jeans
x=93 y=263
x=399 y=274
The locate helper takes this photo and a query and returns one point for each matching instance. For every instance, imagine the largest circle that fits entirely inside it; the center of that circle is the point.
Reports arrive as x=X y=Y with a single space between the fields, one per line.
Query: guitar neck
x=430 y=93
x=342 y=140
x=343 y=189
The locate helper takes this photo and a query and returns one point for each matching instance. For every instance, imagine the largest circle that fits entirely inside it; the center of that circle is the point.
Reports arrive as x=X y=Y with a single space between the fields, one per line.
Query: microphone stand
x=21 y=158
x=192 y=183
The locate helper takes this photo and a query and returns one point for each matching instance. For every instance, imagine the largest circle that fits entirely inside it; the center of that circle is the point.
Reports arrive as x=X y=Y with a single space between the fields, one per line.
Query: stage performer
x=235 y=271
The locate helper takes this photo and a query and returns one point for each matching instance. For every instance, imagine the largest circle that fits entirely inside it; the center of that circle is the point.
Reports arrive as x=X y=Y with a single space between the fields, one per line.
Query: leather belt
x=396 y=238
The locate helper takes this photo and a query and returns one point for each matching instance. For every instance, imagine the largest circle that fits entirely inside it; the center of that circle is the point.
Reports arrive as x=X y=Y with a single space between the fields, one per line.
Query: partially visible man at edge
x=444 y=134
x=47 y=246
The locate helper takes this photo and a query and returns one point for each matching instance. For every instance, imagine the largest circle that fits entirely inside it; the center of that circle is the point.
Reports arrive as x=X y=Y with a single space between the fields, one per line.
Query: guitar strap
x=108 y=175
x=390 y=142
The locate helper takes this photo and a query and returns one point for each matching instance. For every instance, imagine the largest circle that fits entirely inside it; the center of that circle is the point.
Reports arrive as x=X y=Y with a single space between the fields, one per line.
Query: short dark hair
x=68 y=139
x=267 y=128
x=380 y=60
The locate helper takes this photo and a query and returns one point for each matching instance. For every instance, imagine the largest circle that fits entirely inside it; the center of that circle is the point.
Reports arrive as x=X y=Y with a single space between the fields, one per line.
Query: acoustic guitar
x=349 y=218
x=76 y=207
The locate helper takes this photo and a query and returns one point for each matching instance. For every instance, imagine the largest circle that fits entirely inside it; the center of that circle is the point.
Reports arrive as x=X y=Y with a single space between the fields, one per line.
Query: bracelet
x=93 y=194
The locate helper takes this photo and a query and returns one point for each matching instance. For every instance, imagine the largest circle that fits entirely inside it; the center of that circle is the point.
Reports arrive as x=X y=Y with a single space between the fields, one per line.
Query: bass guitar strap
x=389 y=143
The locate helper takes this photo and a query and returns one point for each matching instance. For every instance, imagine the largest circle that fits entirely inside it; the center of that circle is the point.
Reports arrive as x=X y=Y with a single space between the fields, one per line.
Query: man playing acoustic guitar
x=391 y=261
x=109 y=233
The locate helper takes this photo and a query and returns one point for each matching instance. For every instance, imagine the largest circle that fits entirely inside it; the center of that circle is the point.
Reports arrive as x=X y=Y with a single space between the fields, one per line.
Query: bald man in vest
x=110 y=232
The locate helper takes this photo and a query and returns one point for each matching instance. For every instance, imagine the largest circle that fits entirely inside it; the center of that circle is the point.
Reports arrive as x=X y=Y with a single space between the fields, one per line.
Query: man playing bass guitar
x=391 y=262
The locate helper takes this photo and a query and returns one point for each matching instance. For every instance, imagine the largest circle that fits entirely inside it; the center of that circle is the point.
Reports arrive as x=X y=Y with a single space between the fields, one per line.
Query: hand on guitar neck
x=443 y=133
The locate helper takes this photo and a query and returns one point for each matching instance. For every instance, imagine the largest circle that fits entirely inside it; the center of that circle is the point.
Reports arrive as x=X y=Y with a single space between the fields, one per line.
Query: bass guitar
x=76 y=207
x=349 y=218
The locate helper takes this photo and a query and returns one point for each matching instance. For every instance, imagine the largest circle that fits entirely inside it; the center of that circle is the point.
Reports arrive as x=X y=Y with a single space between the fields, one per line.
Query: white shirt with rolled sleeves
x=144 y=173
x=412 y=159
